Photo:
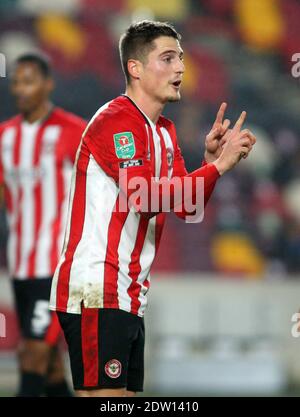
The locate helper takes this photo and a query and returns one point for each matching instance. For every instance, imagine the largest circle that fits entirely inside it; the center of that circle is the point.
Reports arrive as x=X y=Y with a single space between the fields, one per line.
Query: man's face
x=162 y=72
x=29 y=87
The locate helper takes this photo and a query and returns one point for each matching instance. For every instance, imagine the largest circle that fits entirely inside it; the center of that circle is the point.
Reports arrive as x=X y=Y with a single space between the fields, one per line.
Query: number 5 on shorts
x=41 y=317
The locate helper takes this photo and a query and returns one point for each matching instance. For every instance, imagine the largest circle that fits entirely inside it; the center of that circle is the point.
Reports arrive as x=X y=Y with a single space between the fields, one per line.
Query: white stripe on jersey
x=8 y=144
x=27 y=183
x=87 y=270
x=126 y=246
x=49 y=200
x=148 y=147
x=67 y=176
x=157 y=145
x=169 y=145
x=146 y=259
x=157 y=149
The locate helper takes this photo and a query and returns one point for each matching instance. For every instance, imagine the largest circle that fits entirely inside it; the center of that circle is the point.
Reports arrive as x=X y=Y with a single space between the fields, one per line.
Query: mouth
x=176 y=84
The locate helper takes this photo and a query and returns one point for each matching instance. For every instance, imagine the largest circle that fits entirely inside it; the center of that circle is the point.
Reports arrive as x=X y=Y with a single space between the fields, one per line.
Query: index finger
x=221 y=112
x=239 y=122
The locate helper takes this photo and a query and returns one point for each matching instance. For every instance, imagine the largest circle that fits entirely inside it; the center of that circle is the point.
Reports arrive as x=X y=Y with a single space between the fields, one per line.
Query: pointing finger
x=221 y=112
x=239 y=122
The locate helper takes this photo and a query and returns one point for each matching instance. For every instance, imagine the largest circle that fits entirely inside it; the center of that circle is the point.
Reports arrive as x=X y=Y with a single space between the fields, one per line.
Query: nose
x=180 y=68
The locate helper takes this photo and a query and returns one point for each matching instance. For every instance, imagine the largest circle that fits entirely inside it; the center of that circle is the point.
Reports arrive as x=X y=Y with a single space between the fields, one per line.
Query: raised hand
x=235 y=144
x=213 y=141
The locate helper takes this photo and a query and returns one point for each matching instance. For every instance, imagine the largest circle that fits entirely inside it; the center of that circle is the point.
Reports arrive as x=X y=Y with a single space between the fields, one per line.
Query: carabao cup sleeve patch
x=124 y=145
x=131 y=163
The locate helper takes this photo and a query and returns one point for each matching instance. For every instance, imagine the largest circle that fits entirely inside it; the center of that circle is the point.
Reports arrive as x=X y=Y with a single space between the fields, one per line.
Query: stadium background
x=224 y=291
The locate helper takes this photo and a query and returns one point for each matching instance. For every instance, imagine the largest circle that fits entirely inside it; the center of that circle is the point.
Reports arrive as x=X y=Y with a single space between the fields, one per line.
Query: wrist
x=220 y=166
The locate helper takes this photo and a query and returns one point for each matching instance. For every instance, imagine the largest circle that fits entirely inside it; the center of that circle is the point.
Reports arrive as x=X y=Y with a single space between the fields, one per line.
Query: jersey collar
x=148 y=120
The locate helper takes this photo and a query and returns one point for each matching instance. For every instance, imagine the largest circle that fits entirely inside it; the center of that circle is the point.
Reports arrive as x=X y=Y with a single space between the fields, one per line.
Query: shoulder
x=115 y=116
x=68 y=119
x=167 y=123
x=169 y=126
x=12 y=122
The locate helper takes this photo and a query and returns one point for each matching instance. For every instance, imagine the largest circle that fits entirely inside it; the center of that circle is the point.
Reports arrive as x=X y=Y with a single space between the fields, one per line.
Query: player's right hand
x=237 y=144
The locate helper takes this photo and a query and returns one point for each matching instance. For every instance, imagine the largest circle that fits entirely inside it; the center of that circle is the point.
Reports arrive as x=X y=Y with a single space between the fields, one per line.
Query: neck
x=39 y=113
x=151 y=108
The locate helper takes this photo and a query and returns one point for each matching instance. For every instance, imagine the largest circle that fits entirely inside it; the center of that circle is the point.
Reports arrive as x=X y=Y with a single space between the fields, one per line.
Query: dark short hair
x=138 y=39
x=41 y=61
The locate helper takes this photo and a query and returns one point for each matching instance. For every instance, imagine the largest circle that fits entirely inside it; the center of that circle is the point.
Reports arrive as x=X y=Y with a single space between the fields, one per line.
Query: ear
x=134 y=68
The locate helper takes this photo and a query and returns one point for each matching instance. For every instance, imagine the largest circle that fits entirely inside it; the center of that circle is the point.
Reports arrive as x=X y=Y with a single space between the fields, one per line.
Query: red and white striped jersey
x=107 y=253
x=36 y=163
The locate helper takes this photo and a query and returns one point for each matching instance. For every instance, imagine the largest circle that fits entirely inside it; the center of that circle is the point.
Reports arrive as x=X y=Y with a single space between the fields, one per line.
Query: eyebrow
x=172 y=51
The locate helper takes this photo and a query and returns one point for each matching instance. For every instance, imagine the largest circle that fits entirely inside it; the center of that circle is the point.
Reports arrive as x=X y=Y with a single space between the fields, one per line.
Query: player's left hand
x=246 y=134
x=213 y=144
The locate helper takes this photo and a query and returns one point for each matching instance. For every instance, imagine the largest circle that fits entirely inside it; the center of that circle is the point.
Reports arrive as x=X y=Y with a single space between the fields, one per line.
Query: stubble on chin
x=173 y=99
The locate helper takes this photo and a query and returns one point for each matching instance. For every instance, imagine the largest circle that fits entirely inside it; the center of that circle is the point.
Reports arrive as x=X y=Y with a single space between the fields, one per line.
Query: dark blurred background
x=239 y=51
x=206 y=334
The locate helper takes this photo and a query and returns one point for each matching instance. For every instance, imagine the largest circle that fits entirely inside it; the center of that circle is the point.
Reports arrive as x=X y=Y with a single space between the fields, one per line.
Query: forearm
x=207 y=189
x=150 y=197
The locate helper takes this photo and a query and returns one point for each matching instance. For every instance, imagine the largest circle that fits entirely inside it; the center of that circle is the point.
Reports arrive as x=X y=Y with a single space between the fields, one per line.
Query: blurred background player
x=37 y=151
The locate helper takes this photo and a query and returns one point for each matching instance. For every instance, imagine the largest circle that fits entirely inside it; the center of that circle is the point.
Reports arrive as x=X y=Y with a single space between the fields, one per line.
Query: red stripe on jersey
x=37 y=196
x=54 y=330
x=18 y=224
x=8 y=199
x=76 y=228
x=111 y=265
x=55 y=250
x=135 y=267
x=146 y=284
x=90 y=343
